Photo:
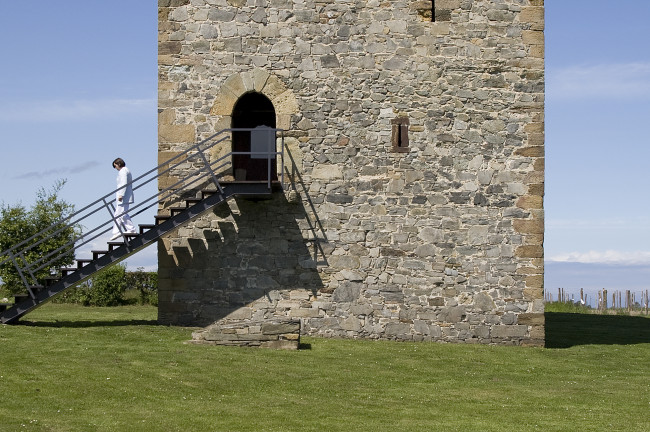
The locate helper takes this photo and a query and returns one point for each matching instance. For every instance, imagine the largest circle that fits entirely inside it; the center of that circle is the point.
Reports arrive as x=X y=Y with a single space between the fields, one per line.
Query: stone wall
x=440 y=239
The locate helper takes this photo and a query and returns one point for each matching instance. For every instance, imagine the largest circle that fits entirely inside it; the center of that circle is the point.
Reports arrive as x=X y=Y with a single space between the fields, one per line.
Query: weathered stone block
x=532 y=319
x=533 y=293
x=533 y=37
x=530 y=251
x=535 y=281
x=484 y=302
x=437 y=301
x=528 y=226
x=327 y=172
x=537 y=335
x=533 y=15
x=286 y=102
x=452 y=314
x=533 y=151
x=536 y=189
x=274 y=328
x=223 y=104
x=177 y=133
x=166 y=48
x=347 y=292
x=531 y=202
x=397 y=329
x=235 y=84
x=508 y=331
x=344 y=262
x=304 y=313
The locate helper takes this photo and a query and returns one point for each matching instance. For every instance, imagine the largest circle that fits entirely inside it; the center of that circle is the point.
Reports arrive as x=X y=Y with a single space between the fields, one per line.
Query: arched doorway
x=252 y=110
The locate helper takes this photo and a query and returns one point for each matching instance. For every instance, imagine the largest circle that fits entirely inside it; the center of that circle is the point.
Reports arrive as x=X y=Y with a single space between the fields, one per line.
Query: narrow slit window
x=400 y=134
x=433 y=10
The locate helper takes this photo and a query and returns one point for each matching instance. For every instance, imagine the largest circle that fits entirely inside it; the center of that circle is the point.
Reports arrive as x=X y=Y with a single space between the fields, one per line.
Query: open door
x=253 y=110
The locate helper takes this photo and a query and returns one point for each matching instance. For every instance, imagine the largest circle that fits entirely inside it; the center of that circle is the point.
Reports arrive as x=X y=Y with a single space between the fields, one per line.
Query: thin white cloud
x=604 y=81
x=147 y=259
x=73 y=110
x=636 y=222
x=603 y=257
x=75 y=169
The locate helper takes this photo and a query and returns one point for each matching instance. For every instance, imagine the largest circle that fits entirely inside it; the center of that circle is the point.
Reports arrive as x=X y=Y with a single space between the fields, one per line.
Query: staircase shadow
x=88 y=324
x=252 y=261
x=565 y=330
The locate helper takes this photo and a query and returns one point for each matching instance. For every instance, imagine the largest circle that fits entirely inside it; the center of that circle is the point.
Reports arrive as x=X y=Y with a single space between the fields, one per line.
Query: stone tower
x=414 y=167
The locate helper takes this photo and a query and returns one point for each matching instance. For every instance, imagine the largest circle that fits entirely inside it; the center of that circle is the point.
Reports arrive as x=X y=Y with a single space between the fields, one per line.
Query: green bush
x=5 y=295
x=567 y=307
x=105 y=289
x=145 y=284
x=113 y=287
x=18 y=224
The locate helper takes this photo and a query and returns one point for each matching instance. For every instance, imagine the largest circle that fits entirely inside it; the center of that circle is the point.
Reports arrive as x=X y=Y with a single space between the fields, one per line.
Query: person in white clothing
x=123 y=199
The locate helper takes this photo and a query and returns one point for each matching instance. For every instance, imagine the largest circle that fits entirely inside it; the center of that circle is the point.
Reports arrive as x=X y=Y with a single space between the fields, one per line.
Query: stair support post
x=209 y=168
x=111 y=210
x=20 y=273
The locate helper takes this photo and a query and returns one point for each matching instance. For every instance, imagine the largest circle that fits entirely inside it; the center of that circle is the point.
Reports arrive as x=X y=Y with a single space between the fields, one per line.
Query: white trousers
x=122 y=218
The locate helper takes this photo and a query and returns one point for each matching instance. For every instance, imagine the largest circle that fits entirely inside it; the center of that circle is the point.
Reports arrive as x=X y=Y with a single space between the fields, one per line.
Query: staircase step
x=112 y=245
x=51 y=280
x=5 y=306
x=191 y=201
x=82 y=262
x=161 y=218
x=67 y=270
x=205 y=193
x=144 y=228
x=98 y=253
x=21 y=297
x=176 y=210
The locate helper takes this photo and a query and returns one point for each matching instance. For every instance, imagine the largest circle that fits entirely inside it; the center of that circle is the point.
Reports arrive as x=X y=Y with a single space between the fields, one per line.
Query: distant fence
x=621 y=300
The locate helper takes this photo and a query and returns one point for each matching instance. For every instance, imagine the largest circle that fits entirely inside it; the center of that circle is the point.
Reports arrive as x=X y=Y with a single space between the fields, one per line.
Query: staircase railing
x=190 y=170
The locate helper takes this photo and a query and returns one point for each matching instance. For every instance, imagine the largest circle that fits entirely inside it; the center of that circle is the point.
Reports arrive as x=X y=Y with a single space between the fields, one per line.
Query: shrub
x=49 y=249
x=567 y=307
x=105 y=289
x=146 y=284
x=113 y=287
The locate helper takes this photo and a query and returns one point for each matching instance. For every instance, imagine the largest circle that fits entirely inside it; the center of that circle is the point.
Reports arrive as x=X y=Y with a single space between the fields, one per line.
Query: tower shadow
x=565 y=330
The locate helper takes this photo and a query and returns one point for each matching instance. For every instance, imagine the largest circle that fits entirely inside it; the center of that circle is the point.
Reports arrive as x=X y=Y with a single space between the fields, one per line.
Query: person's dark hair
x=119 y=162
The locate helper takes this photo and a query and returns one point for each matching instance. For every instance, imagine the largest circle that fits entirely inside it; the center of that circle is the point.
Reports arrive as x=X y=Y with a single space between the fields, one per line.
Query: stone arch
x=260 y=81
x=257 y=80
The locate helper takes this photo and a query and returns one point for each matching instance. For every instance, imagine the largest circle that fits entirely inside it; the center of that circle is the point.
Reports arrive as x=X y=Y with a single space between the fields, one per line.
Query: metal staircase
x=198 y=185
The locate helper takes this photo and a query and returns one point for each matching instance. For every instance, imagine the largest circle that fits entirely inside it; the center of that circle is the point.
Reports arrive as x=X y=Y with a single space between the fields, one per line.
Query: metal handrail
x=201 y=170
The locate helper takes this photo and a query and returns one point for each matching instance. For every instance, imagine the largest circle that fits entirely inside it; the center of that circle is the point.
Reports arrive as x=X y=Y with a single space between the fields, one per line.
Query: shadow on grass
x=564 y=330
x=87 y=324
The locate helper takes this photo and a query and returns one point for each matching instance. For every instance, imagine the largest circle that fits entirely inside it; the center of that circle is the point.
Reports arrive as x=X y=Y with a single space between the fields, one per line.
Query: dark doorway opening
x=251 y=111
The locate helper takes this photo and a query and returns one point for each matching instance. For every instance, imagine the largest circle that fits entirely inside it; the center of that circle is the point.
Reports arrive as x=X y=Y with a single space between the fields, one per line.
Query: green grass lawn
x=69 y=368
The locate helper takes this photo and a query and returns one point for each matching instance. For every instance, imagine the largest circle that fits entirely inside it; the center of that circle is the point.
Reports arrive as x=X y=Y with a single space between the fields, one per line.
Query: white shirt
x=124 y=189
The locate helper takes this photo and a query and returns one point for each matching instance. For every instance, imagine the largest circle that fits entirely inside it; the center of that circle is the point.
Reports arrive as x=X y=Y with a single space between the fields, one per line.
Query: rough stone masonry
x=413 y=204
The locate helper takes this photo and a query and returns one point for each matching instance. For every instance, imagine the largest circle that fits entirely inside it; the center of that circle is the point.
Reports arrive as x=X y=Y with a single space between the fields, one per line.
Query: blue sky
x=597 y=152
x=597 y=112
x=79 y=89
